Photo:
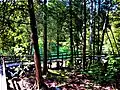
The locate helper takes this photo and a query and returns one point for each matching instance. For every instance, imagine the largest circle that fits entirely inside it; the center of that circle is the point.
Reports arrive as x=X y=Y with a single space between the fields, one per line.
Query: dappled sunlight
x=59 y=44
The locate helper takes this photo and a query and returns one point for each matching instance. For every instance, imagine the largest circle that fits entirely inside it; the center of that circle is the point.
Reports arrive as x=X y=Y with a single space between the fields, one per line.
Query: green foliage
x=14 y=27
x=96 y=71
x=114 y=25
x=64 y=49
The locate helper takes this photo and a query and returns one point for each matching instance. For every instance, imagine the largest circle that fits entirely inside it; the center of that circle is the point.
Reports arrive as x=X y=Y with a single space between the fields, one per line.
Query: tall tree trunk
x=94 y=29
x=91 y=26
x=35 y=43
x=45 y=38
x=71 y=32
x=77 y=43
x=106 y=22
x=114 y=41
x=57 y=44
x=103 y=34
x=84 y=37
x=91 y=29
x=57 y=39
x=99 y=1
x=110 y=42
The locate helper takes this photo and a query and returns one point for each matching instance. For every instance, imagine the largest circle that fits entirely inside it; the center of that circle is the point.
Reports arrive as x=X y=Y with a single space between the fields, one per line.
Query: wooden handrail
x=13 y=58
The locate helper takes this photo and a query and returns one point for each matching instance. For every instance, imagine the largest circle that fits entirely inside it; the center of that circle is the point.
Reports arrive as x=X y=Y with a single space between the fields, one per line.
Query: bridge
x=23 y=60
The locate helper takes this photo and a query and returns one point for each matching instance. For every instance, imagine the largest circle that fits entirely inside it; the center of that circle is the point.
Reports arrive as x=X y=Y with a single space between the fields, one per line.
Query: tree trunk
x=94 y=30
x=84 y=37
x=71 y=32
x=91 y=30
x=104 y=30
x=45 y=38
x=115 y=41
x=35 y=43
x=99 y=1
x=91 y=26
x=57 y=39
x=77 y=43
x=110 y=42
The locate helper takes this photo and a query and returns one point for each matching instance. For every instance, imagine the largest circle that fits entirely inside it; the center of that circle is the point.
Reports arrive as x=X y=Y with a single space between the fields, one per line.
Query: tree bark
x=103 y=34
x=57 y=42
x=99 y=1
x=94 y=30
x=110 y=42
x=91 y=27
x=84 y=37
x=71 y=32
x=45 y=39
x=115 y=41
x=91 y=30
x=35 y=43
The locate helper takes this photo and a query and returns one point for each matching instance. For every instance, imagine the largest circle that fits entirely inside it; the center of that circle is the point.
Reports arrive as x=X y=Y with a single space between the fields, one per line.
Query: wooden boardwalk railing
x=51 y=58
x=8 y=61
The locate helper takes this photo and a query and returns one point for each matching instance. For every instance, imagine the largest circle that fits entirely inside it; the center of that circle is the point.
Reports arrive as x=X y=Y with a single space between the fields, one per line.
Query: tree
x=57 y=19
x=84 y=37
x=113 y=28
x=45 y=38
x=71 y=31
x=35 y=43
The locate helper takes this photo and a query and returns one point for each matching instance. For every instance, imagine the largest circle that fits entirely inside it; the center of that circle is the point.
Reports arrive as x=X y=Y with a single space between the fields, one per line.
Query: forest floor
x=57 y=80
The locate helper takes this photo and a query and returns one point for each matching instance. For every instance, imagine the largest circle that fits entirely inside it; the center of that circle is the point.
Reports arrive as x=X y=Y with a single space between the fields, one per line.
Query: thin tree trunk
x=35 y=43
x=57 y=44
x=99 y=1
x=94 y=29
x=77 y=43
x=71 y=32
x=110 y=42
x=91 y=27
x=113 y=34
x=103 y=34
x=84 y=37
x=45 y=38
x=115 y=41
x=100 y=51
x=77 y=35
x=57 y=40
x=91 y=30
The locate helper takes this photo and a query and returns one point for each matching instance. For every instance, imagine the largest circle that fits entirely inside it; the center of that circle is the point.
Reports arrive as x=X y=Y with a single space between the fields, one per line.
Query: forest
x=60 y=44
